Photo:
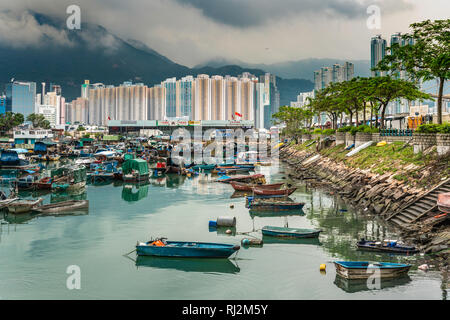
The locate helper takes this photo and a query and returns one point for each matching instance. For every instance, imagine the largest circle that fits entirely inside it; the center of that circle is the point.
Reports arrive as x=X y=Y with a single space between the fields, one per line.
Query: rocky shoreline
x=380 y=195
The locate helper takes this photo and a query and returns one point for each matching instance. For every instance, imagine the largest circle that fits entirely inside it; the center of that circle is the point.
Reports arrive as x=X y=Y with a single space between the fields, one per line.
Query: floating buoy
x=232 y=206
x=323 y=267
x=213 y=224
x=251 y=242
x=228 y=231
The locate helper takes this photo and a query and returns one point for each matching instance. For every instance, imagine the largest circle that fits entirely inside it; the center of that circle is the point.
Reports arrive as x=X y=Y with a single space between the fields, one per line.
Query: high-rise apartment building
x=377 y=52
x=21 y=97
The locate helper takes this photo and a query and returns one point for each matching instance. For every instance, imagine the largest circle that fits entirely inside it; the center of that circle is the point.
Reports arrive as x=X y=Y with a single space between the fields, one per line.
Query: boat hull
x=186 y=251
x=290 y=232
x=362 y=270
x=370 y=246
x=63 y=206
x=282 y=192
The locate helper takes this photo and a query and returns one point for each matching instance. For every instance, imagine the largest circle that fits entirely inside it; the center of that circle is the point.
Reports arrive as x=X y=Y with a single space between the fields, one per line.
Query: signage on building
x=162 y=123
x=195 y=123
x=418 y=110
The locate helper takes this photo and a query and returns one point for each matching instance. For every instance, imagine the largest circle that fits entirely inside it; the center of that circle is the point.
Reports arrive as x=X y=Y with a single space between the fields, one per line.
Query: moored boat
x=255 y=179
x=267 y=192
x=20 y=206
x=239 y=186
x=63 y=206
x=200 y=167
x=386 y=246
x=290 y=232
x=44 y=183
x=263 y=204
x=163 y=248
x=364 y=269
x=443 y=202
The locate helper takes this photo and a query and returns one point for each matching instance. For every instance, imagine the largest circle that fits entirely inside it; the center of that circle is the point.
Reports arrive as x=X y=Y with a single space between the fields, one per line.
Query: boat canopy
x=78 y=172
x=9 y=157
x=139 y=165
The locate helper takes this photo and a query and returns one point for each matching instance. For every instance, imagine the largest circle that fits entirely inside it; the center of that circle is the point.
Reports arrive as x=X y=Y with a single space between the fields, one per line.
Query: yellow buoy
x=323 y=267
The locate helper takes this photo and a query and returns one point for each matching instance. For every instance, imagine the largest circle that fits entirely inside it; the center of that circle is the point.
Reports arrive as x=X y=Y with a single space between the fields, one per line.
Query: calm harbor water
x=35 y=251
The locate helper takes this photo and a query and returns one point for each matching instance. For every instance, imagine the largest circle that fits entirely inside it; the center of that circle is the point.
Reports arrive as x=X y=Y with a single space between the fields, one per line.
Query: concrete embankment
x=381 y=192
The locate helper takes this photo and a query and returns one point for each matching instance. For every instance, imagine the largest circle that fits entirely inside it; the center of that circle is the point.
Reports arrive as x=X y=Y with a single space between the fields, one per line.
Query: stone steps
x=420 y=207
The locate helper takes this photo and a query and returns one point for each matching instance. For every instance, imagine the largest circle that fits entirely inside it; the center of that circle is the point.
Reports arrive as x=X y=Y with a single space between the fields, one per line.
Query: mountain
x=94 y=53
x=303 y=69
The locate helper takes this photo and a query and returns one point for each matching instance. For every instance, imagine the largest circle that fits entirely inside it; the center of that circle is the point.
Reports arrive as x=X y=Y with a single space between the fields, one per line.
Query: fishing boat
x=231 y=171
x=163 y=248
x=20 y=206
x=43 y=184
x=255 y=179
x=267 y=192
x=63 y=206
x=263 y=204
x=364 y=269
x=205 y=167
x=69 y=178
x=443 y=202
x=85 y=160
x=135 y=170
x=4 y=203
x=285 y=232
x=239 y=186
x=386 y=246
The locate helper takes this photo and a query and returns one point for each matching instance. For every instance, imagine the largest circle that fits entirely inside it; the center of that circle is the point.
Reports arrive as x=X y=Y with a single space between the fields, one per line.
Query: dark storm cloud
x=248 y=13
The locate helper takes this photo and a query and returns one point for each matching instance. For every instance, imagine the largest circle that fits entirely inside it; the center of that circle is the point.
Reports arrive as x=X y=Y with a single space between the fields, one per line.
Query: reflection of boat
x=261 y=214
x=443 y=202
x=130 y=196
x=356 y=285
x=163 y=248
x=386 y=246
x=19 y=218
x=286 y=232
x=362 y=269
x=63 y=206
x=188 y=264
x=278 y=240
x=20 y=206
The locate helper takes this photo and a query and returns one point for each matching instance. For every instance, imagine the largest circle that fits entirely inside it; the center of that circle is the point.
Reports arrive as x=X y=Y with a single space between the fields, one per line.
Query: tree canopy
x=9 y=120
x=38 y=121
x=424 y=55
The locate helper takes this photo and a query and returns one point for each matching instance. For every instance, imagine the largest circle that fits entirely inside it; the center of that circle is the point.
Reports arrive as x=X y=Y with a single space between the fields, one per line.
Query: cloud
x=22 y=30
x=250 y=13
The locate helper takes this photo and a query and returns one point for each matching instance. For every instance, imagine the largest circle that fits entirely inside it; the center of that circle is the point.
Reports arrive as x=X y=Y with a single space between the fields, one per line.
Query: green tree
x=9 y=120
x=426 y=57
x=293 y=118
x=385 y=89
x=38 y=121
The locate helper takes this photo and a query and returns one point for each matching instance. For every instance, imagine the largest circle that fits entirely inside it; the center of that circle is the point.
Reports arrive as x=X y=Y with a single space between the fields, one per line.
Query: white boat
x=85 y=160
x=21 y=206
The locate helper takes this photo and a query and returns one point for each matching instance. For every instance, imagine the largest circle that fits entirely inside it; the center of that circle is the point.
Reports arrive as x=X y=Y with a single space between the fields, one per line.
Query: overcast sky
x=255 y=31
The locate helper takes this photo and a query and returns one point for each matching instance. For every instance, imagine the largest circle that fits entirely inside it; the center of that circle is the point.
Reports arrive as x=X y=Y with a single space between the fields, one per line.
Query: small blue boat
x=271 y=204
x=290 y=232
x=163 y=248
x=364 y=269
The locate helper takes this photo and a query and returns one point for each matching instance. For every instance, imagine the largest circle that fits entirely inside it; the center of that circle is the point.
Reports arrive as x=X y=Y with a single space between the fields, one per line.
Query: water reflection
x=278 y=240
x=189 y=265
x=357 y=285
x=133 y=193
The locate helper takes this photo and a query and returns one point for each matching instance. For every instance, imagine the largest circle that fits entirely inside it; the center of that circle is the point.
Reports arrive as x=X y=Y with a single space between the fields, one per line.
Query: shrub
x=328 y=132
x=444 y=128
x=317 y=131
x=344 y=129
x=428 y=128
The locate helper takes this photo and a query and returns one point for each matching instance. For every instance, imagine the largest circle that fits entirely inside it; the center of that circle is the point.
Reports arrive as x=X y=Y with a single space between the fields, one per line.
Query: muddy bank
x=377 y=194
